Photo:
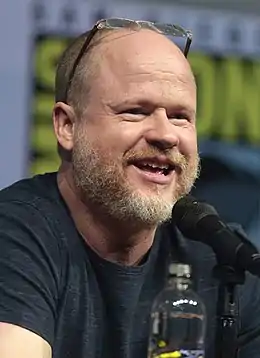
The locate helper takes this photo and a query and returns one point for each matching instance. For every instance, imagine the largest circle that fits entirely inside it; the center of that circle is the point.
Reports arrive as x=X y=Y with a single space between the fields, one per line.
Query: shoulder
x=34 y=219
x=31 y=191
x=27 y=215
x=33 y=202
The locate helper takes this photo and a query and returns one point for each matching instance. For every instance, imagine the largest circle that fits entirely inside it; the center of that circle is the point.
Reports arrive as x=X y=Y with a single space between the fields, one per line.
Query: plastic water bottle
x=178 y=318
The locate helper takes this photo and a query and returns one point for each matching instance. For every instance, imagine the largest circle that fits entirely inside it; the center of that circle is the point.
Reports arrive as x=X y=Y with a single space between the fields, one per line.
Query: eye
x=136 y=111
x=179 y=117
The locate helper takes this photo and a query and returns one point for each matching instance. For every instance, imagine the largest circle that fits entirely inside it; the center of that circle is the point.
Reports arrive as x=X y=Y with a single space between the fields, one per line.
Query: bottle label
x=182 y=353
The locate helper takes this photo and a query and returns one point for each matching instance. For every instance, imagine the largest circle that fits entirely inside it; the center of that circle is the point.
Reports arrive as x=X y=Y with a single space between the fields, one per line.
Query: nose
x=162 y=134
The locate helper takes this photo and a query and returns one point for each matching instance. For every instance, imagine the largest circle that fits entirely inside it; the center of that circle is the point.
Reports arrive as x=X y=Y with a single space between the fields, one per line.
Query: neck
x=120 y=242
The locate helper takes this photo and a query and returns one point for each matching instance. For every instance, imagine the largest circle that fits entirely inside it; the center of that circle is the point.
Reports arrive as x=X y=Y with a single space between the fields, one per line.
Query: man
x=84 y=252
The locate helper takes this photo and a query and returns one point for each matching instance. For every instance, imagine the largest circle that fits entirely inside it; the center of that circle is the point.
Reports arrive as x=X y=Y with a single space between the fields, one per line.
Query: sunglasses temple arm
x=187 y=46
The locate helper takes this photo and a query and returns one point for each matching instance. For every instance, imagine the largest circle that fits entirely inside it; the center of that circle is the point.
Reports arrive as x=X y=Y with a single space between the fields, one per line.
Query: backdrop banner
x=225 y=59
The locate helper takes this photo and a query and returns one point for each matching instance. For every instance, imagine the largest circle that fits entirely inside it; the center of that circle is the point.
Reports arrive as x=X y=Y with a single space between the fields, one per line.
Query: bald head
x=140 y=64
x=142 y=51
x=119 y=53
x=132 y=46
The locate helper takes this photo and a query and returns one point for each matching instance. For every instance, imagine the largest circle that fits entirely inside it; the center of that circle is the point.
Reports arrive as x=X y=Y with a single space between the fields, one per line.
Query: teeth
x=160 y=166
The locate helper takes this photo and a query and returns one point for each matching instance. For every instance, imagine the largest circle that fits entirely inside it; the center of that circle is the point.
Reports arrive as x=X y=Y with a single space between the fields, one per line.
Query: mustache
x=173 y=156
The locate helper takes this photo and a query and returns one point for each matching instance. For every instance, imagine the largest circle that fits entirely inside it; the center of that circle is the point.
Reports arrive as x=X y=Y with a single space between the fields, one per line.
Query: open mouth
x=155 y=167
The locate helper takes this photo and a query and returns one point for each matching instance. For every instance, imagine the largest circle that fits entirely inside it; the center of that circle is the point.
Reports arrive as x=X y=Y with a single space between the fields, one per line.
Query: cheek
x=118 y=144
x=109 y=152
x=188 y=144
x=113 y=137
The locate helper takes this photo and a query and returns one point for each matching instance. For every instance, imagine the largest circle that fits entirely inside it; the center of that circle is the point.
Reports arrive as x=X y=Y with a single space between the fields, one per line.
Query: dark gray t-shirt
x=53 y=284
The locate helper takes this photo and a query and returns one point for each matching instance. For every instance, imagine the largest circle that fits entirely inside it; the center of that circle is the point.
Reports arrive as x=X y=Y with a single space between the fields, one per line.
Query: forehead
x=143 y=61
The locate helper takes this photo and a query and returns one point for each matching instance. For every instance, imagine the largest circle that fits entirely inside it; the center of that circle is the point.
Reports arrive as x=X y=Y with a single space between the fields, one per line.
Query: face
x=135 y=147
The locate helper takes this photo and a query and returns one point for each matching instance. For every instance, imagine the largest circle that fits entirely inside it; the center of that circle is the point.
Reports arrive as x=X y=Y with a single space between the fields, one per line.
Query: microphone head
x=199 y=221
x=188 y=212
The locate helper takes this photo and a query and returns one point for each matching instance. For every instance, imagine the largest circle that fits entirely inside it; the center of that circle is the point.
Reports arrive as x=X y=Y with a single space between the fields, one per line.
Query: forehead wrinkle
x=141 y=64
x=152 y=87
x=139 y=73
x=185 y=77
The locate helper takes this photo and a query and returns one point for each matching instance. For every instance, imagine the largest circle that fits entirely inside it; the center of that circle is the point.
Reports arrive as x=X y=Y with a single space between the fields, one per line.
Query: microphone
x=200 y=221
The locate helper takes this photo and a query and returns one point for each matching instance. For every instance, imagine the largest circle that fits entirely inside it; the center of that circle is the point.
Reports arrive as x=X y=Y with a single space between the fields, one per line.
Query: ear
x=63 y=118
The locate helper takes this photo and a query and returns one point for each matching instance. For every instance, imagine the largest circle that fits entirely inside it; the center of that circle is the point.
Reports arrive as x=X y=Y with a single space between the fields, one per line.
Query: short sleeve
x=29 y=269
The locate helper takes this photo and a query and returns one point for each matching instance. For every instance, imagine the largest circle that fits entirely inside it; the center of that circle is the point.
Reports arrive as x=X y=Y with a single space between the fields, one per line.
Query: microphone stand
x=226 y=342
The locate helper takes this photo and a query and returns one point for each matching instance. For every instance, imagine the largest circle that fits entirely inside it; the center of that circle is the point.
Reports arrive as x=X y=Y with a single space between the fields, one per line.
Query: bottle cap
x=180 y=270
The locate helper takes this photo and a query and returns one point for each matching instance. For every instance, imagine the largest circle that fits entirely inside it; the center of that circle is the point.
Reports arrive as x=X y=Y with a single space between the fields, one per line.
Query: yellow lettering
x=43 y=165
x=42 y=108
x=203 y=68
x=238 y=101
x=175 y=354
x=47 y=53
x=43 y=140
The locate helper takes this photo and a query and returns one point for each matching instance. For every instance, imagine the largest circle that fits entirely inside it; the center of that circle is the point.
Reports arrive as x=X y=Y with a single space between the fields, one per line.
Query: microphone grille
x=188 y=211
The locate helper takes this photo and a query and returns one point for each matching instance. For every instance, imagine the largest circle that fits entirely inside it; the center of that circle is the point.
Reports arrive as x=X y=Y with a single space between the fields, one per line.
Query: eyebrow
x=150 y=104
x=186 y=109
